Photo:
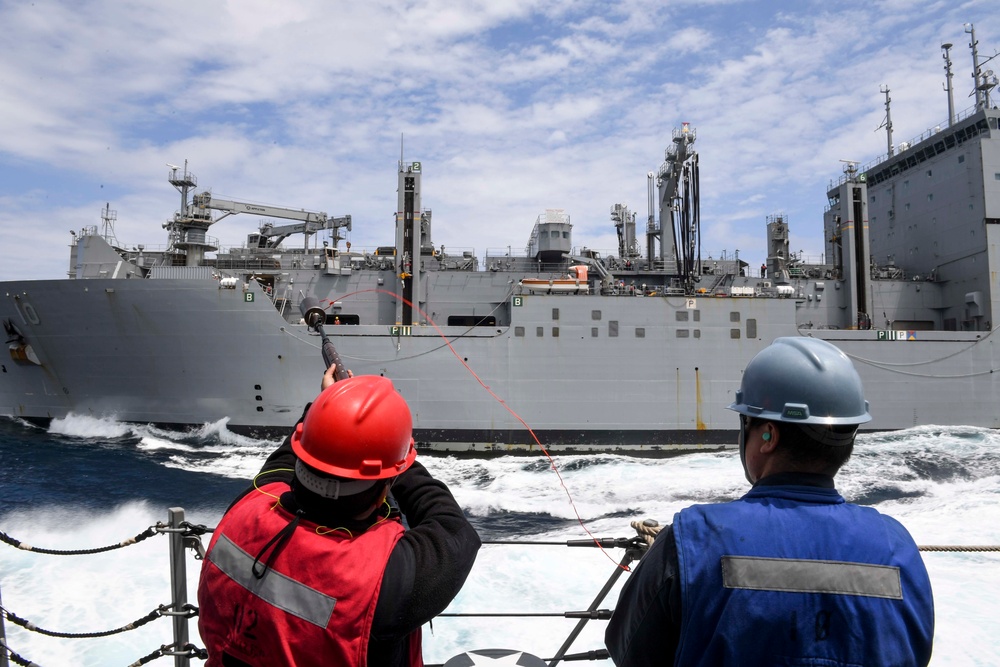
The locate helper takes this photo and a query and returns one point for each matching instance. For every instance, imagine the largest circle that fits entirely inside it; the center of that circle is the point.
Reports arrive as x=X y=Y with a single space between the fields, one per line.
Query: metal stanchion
x=3 y=641
x=178 y=584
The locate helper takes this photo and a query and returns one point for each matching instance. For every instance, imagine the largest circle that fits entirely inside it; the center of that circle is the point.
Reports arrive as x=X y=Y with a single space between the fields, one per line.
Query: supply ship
x=638 y=351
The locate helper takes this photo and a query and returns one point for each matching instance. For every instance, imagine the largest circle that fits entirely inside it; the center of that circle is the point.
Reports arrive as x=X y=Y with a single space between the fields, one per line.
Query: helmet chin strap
x=330 y=487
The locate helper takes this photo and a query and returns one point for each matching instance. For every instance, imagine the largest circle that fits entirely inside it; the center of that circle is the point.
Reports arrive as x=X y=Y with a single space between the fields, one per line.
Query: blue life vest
x=795 y=576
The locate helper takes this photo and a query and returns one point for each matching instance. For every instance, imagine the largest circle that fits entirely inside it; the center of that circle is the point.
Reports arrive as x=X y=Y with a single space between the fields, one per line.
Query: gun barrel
x=315 y=316
x=312 y=312
x=331 y=357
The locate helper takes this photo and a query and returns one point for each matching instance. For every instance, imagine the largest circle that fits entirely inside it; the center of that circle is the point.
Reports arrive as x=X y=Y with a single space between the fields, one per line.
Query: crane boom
x=206 y=200
x=312 y=221
x=279 y=234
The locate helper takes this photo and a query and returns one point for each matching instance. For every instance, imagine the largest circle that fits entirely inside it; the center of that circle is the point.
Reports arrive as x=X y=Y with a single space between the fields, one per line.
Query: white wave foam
x=24 y=423
x=91 y=592
x=151 y=443
x=235 y=465
x=97 y=592
x=85 y=426
x=649 y=488
x=220 y=432
x=212 y=448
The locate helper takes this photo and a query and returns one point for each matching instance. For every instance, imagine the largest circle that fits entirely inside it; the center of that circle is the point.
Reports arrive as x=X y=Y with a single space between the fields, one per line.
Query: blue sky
x=512 y=107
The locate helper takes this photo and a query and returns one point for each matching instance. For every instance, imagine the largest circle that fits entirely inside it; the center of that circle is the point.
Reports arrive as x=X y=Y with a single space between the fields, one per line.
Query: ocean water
x=85 y=483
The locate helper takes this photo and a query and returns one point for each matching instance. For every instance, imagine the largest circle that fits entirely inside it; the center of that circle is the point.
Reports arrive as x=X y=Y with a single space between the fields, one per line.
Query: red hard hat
x=358 y=428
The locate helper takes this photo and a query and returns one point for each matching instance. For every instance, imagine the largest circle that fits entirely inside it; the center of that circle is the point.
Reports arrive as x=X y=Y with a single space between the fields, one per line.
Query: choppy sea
x=85 y=483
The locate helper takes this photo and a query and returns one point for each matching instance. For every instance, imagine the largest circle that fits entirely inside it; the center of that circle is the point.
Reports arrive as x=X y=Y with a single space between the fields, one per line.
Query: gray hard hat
x=802 y=380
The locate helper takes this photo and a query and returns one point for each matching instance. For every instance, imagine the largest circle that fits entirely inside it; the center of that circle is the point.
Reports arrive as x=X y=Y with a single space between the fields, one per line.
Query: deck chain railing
x=184 y=535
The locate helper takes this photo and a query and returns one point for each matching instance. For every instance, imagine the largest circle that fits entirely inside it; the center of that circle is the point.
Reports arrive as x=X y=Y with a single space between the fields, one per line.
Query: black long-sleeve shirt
x=426 y=568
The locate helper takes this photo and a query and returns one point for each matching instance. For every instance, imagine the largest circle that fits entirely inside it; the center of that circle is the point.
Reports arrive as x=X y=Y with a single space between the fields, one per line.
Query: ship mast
x=985 y=79
x=652 y=232
x=109 y=217
x=187 y=230
x=887 y=122
x=947 y=86
x=971 y=29
x=413 y=235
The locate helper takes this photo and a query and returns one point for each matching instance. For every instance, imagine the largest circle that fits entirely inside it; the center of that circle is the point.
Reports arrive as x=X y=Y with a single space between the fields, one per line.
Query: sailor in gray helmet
x=790 y=573
x=808 y=384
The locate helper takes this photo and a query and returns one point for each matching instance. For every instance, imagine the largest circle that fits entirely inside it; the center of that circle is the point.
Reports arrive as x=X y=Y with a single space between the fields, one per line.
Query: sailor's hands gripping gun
x=315 y=316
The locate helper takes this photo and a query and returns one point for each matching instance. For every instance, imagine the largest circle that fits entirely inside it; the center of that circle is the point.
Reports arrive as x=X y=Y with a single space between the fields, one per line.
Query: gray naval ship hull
x=185 y=353
x=639 y=351
x=179 y=352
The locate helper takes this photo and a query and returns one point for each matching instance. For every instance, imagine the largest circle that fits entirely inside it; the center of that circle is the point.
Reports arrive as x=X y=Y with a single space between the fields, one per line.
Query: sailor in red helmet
x=312 y=565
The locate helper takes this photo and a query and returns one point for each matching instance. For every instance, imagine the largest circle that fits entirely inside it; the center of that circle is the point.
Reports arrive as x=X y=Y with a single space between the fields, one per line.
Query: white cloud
x=513 y=108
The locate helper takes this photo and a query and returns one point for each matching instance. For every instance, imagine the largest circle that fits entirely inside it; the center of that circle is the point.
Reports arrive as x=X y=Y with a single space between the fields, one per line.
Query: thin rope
x=503 y=403
x=957 y=547
x=649 y=529
x=309 y=339
x=894 y=367
x=268 y=472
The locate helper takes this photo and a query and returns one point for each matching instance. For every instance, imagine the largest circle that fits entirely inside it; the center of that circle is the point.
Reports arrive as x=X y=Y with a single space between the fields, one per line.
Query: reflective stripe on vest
x=811 y=576
x=275 y=588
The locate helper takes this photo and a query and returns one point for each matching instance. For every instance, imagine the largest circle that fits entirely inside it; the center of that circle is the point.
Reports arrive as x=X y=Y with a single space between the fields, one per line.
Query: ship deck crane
x=312 y=221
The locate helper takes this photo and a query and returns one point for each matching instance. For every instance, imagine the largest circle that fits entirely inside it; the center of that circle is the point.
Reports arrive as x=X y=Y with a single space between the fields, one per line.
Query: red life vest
x=316 y=601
